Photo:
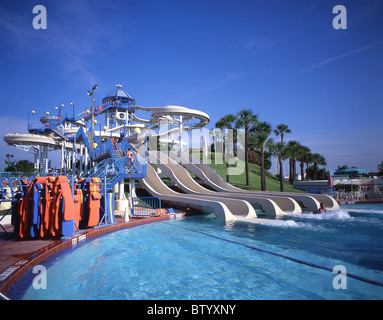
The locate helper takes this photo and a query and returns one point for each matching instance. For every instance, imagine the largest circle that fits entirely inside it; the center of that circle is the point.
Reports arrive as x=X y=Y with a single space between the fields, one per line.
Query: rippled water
x=164 y=261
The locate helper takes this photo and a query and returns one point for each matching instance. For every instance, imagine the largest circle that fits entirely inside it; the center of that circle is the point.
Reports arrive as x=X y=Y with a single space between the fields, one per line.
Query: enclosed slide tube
x=272 y=206
x=211 y=177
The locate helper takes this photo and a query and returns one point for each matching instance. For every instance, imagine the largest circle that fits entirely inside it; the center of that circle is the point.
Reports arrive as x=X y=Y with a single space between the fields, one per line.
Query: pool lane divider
x=307 y=263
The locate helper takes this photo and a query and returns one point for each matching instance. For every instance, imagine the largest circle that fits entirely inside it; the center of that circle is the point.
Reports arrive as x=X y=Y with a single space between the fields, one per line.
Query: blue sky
x=282 y=59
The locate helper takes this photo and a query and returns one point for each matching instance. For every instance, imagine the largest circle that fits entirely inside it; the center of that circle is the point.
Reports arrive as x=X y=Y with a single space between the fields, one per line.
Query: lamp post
x=33 y=112
x=72 y=105
x=91 y=93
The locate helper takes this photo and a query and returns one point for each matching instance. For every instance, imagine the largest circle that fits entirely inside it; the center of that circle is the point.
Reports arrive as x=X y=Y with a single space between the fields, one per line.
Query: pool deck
x=18 y=256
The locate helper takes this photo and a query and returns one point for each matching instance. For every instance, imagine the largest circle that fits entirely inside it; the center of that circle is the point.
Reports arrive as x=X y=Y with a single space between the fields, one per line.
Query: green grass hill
x=272 y=182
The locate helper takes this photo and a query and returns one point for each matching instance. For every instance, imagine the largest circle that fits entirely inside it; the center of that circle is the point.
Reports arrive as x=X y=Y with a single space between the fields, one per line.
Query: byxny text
x=196 y=309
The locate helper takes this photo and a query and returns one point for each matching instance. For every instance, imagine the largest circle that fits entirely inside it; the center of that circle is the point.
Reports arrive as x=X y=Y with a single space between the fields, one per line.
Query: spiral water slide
x=34 y=139
x=272 y=206
x=211 y=178
x=161 y=113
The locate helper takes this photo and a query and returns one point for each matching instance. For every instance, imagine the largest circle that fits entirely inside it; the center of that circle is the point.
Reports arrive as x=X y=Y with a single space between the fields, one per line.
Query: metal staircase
x=112 y=170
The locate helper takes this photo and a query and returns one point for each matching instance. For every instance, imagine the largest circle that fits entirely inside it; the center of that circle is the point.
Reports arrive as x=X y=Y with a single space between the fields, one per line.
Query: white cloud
x=341 y=56
x=77 y=32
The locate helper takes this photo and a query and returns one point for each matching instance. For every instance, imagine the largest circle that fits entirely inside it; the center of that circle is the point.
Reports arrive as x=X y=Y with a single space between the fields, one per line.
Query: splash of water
x=330 y=215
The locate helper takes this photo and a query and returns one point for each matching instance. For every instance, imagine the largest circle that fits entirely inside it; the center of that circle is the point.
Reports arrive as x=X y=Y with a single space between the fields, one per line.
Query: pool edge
x=19 y=268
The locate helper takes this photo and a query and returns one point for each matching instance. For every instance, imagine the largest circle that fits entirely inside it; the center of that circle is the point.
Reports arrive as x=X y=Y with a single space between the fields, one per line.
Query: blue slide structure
x=50 y=123
x=110 y=157
x=115 y=165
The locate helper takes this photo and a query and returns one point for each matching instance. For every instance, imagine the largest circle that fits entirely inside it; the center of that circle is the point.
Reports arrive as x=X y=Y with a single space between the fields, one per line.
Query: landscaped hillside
x=272 y=183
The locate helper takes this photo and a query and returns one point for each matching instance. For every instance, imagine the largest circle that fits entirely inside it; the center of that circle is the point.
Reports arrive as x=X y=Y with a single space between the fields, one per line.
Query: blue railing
x=104 y=149
x=55 y=120
x=108 y=148
x=52 y=123
x=4 y=175
x=10 y=187
x=115 y=170
x=146 y=206
x=97 y=168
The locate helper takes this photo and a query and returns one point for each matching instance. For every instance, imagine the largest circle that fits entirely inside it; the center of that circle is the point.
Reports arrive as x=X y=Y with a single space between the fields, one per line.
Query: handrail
x=95 y=168
x=105 y=147
x=3 y=296
x=112 y=169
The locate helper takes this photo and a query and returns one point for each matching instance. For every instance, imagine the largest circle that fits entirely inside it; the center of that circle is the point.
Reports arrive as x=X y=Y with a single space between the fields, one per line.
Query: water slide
x=272 y=206
x=34 y=139
x=211 y=178
x=48 y=141
x=224 y=209
x=158 y=113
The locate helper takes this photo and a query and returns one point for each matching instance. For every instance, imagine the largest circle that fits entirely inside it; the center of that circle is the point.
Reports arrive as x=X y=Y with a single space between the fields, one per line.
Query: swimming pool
x=203 y=258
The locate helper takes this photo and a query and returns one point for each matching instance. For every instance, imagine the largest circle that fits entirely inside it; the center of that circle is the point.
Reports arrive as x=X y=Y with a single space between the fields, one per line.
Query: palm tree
x=281 y=130
x=244 y=119
x=302 y=154
x=8 y=156
x=318 y=160
x=226 y=122
x=308 y=159
x=293 y=147
x=272 y=147
x=281 y=148
x=260 y=139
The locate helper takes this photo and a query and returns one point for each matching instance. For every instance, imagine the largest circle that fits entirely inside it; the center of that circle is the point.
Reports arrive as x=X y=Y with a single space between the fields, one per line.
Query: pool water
x=174 y=260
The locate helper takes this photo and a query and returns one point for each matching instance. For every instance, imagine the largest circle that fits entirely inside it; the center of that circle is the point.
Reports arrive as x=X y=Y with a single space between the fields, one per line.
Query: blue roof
x=119 y=94
x=351 y=171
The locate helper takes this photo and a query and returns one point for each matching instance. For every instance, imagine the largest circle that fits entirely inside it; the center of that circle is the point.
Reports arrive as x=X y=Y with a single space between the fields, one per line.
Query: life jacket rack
x=59 y=206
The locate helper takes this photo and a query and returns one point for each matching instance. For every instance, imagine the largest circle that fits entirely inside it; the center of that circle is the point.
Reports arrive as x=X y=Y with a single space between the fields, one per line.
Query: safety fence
x=13 y=175
x=146 y=206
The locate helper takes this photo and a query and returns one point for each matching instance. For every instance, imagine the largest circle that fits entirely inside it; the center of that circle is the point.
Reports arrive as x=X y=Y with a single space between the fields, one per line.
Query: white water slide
x=272 y=206
x=224 y=209
x=212 y=179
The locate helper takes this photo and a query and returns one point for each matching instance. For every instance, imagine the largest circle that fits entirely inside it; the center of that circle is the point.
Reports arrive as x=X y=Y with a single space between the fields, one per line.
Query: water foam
x=366 y=211
x=296 y=224
x=284 y=223
x=331 y=215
